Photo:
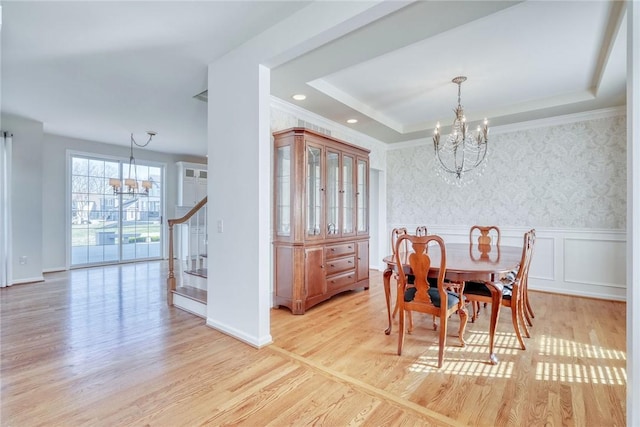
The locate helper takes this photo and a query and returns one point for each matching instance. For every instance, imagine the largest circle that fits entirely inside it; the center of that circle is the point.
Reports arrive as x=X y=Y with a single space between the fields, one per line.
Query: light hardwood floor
x=99 y=347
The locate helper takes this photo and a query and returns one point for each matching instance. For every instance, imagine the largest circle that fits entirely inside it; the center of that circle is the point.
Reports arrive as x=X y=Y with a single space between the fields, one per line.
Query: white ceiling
x=100 y=70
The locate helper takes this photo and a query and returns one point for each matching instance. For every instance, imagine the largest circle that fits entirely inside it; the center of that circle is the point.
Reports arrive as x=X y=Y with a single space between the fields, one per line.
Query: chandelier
x=131 y=182
x=460 y=152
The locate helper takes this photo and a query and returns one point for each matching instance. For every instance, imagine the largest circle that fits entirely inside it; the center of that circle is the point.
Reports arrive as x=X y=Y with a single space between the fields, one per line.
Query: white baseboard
x=257 y=342
x=54 y=269
x=28 y=280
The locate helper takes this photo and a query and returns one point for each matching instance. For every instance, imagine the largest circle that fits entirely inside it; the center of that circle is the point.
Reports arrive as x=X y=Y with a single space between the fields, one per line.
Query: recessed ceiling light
x=352 y=121
x=299 y=97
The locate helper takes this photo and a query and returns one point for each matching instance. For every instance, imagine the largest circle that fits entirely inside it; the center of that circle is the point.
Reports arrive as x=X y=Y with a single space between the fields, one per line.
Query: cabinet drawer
x=335 y=251
x=334 y=266
x=341 y=280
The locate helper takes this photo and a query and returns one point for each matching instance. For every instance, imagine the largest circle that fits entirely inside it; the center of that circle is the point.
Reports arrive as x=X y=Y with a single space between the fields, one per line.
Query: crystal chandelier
x=460 y=152
x=131 y=182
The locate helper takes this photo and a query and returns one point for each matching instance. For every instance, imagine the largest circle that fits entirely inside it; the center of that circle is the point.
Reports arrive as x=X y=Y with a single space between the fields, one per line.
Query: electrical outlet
x=23 y=260
x=220 y=226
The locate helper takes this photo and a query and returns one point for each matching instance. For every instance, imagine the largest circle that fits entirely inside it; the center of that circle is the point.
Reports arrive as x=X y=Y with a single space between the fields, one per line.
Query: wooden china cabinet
x=321 y=218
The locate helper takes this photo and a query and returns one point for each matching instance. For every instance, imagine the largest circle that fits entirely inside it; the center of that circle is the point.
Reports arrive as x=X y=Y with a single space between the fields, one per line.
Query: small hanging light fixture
x=131 y=182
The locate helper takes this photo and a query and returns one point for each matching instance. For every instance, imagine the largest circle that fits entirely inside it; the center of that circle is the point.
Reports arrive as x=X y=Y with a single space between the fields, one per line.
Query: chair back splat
x=421 y=296
x=395 y=235
x=487 y=236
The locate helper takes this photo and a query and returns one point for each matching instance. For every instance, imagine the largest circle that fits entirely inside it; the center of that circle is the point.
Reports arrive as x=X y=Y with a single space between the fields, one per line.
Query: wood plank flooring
x=99 y=347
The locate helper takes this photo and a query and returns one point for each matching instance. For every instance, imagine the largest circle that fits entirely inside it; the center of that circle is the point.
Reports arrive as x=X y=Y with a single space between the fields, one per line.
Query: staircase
x=191 y=294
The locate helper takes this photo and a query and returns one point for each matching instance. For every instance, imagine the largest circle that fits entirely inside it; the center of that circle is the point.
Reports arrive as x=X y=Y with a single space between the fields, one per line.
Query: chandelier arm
x=479 y=162
x=444 y=166
x=151 y=135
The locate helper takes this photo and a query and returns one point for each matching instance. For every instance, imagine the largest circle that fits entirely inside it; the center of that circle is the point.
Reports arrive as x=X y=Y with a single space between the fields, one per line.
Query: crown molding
x=306 y=115
x=561 y=120
x=532 y=124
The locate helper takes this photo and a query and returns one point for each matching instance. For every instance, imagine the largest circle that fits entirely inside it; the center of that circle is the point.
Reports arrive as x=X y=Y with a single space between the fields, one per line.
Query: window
x=109 y=227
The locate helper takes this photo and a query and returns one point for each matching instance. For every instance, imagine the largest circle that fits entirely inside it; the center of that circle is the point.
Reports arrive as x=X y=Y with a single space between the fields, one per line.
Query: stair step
x=196 y=294
x=201 y=272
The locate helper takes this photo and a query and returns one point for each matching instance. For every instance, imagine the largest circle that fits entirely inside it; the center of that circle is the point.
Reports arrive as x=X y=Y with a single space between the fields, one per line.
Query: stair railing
x=171 y=279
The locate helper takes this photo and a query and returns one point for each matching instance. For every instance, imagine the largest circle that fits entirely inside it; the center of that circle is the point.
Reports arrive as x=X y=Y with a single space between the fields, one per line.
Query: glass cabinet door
x=348 y=200
x=283 y=191
x=333 y=192
x=314 y=191
x=362 y=196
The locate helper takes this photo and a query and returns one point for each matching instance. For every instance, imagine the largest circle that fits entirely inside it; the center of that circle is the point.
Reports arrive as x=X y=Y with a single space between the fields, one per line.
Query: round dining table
x=465 y=262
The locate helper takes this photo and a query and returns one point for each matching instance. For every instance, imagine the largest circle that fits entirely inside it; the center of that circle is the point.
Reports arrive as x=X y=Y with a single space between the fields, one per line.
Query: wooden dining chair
x=482 y=240
x=512 y=289
x=395 y=235
x=421 y=230
x=528 y=311
x=422 y=297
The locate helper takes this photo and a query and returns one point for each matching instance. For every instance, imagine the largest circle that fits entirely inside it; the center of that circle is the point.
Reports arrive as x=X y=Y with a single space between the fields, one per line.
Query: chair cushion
x=479 y=288
x=510 y=277
x=452 y=298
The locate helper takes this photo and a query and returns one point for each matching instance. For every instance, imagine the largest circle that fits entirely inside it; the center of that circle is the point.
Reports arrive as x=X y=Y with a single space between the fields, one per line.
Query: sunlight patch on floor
x=575 y=373
x=562 y=347
x=454 y=366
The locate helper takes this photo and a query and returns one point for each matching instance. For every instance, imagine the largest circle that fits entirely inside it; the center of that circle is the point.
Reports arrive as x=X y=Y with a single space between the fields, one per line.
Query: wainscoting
x=588 y=263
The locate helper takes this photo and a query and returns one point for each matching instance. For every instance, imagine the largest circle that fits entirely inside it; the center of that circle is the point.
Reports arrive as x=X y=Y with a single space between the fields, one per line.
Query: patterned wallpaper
x=563 y=176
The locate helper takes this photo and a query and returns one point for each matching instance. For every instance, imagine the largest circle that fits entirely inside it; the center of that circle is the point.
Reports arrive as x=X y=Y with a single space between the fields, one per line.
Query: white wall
x=566 y=180
x=26 y=198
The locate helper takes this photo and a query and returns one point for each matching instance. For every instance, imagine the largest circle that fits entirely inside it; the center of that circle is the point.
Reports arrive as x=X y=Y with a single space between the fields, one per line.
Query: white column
x=239 y=168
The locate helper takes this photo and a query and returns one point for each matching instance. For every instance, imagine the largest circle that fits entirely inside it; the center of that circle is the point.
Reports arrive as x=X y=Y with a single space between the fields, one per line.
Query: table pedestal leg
x=386 y=280
x=496 y=300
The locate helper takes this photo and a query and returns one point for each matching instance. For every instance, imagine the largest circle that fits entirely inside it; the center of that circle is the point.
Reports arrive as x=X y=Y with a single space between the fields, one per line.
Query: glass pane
x=314 y=195
x=363 y=200
x=141 y=229
x=347 y=192
x=333 y=194
x=283 y=191
x=79 y=184
x=79 y=166
x=92 y=232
